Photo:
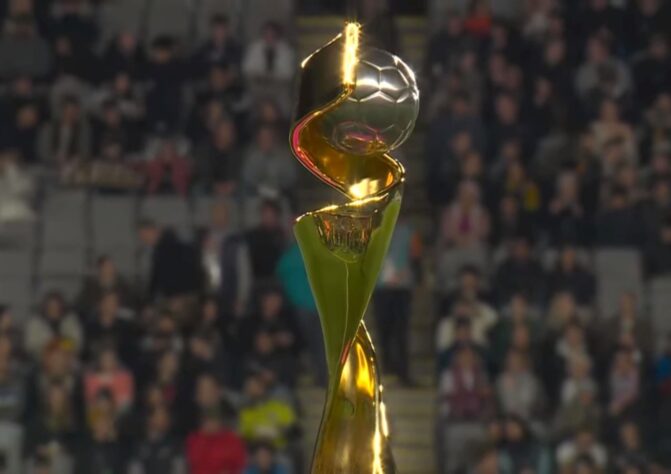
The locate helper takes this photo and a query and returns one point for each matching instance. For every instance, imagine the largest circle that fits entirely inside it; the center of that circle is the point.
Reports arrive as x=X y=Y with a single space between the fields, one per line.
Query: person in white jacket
x=270 y=63
x=16 y=190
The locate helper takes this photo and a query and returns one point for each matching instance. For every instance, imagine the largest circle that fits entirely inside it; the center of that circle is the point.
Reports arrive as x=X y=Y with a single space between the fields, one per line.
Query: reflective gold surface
x=343 y=248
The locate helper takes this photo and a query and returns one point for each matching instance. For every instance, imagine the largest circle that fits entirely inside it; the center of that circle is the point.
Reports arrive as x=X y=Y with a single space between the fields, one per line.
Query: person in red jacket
x=213 y=449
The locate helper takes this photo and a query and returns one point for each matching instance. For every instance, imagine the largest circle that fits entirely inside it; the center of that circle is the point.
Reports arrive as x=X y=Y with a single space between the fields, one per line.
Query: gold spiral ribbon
x=343 y=247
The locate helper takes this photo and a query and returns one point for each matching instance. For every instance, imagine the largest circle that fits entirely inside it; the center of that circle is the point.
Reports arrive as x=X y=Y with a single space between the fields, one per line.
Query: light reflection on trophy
x=355 y=105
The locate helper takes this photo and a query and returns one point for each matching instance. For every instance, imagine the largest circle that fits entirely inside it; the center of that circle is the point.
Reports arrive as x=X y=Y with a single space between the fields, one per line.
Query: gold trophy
x=355 y=105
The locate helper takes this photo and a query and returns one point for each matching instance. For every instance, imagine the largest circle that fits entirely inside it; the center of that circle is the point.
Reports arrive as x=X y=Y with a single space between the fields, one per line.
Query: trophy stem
x=353 y=436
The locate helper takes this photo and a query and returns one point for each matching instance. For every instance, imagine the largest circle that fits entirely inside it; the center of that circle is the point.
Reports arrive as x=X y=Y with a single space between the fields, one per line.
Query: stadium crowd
x=548 y=145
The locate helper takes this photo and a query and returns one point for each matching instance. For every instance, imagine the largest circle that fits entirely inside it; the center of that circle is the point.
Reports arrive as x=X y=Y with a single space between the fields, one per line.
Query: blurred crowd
x=548 y=140
x=548 y=145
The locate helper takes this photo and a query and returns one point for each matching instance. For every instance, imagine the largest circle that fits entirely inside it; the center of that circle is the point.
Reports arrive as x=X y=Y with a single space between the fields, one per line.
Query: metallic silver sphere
x=381 y=112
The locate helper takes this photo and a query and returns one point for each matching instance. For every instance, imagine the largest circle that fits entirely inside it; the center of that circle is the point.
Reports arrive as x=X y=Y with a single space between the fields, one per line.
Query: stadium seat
x=125 y=259
x=617 y=271
x=62 y=263
x=169 y=211
x=65 y=220
x=451 y=261
x=16 y=292
x=20 y=234
x=16 y=263
x=659 y=293
x=113 y=222
x=68 y=286
x=168 y=17
x=203 y=212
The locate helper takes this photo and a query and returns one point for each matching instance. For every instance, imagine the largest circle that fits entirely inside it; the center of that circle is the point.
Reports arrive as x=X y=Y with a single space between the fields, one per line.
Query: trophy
x=355 y=105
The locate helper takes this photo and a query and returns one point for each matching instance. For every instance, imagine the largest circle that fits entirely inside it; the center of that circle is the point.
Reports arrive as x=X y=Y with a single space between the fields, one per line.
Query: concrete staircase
x=411 y=411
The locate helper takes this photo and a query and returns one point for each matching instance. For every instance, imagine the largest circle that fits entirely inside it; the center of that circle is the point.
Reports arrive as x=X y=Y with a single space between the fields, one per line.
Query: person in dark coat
x=569 y=275
x=175 y=269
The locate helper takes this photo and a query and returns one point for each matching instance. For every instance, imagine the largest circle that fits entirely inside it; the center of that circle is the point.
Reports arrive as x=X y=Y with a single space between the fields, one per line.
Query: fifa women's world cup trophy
x=355 y=105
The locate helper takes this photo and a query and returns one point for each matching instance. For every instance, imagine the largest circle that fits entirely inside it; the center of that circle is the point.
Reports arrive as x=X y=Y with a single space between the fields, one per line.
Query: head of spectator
x=54 y=307
x=264 y=458
x=220 y=30
x=208 y=393
x=163 y=50
x=71 y=111
x=58 y=362
x=158 y=424
x=266 y=139
x=106 y=272
x=597 y=50
x=271 y=215
x=221 y=78
x=57 y=409
x=271 y=33
x=224 y=135
x=109 y=306
x=521 y=251
x=468 y=195
x=21 y=27
x=165 y=334
x=126 y=43
x=149 y=233
x=167 y=368
x=487 y=462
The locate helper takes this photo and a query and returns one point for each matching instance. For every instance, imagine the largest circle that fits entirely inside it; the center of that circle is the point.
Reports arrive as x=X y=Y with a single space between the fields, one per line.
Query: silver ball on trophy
x=381 y=112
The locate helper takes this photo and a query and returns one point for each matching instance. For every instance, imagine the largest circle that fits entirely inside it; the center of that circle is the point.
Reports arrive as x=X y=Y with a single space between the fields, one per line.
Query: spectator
x=103 y=451
x=175 y=271
x=566 y=219
x=464 y=389
x=269 y=61
x=221 y=48
x=267 y=168
x=106 y=279
x=16 y=190
x=213 y=448
x=519 y=391
x=617 y=225
x=111 y=326
x=293 y=276
x=393 y=299
x=571 y=276
x=522 y=452
x=628 y=328
x=54 y=323
x=651 y=70
x=124 y=55
x=53 y=428
x=22 y=51
x=264 y=417
x=601 y=75
x=624 y=384
x=158 y=452
x=520 y=272
x=168 y=171
x=165 y=76
x=108 y=375
x=24 y=121
x=631 y=450
x=264 y=460
x=218 y=163
x=66 y=141
x=12 y=405
x=266 y=242
x=226 y=261
x=584 y=443
x=465 y=223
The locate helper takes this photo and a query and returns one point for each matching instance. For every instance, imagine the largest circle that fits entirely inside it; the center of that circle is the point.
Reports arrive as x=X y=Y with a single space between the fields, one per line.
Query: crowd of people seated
x=548 y=133
x=548 y=140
